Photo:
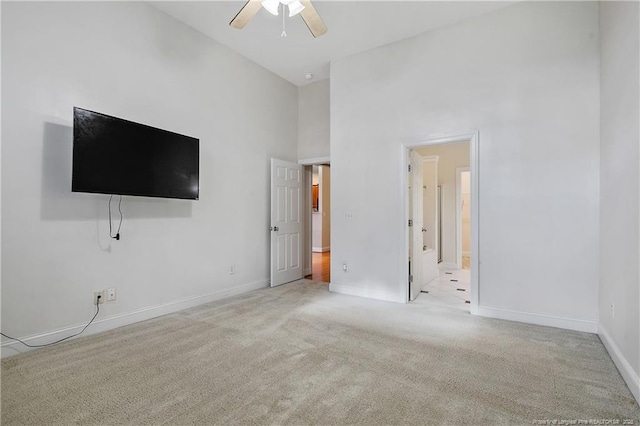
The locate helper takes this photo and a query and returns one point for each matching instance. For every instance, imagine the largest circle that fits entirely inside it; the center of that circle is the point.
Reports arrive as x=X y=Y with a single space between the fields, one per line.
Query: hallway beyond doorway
x=320 y=267
x=455 y=155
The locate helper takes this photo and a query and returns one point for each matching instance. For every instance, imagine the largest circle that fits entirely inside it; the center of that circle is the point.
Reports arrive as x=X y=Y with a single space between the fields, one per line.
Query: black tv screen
x=116 y=156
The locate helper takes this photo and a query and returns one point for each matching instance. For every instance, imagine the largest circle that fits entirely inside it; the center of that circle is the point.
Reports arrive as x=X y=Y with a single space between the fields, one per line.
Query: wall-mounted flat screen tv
x=116 y=156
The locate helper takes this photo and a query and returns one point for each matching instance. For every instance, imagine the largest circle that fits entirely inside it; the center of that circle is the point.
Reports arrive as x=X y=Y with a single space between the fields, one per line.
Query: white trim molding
x=13 y=348
x=314 y=161
x=538 y=319
x=630 y=377
x=320 y=249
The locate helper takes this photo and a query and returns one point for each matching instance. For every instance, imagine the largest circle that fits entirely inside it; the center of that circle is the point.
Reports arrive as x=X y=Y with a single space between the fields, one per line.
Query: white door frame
x=435 y=159
x=473 y=139
x=459 y=171
x=416 y=237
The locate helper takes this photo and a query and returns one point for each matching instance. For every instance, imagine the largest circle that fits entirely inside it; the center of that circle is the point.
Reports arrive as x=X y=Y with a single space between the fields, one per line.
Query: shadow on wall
x=57 y=202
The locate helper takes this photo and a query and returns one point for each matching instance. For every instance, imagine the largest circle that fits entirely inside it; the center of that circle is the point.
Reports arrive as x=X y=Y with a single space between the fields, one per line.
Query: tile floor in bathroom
x=451 y=288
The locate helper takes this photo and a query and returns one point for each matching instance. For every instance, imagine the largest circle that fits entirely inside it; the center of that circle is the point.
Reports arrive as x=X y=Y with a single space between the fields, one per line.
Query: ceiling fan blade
x=312 y=19
x=247 y=12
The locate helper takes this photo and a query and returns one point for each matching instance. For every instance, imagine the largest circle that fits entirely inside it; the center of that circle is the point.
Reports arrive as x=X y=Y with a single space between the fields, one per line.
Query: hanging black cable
x=65 y=338
x=117 y=236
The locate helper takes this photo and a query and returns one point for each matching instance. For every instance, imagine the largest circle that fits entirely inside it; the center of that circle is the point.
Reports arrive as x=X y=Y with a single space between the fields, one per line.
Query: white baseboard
x=307 y=271
x=630 y=377
x=538 y=319
x=448 y=265
x=320 y=249
x=364 y=292
x=13 y=348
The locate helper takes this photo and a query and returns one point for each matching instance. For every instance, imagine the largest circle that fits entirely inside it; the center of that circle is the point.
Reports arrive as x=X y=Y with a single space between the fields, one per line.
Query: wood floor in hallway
x=320 y=267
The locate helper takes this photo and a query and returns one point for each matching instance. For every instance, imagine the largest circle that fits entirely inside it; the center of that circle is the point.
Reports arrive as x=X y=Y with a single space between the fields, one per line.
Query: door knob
x=274 y=228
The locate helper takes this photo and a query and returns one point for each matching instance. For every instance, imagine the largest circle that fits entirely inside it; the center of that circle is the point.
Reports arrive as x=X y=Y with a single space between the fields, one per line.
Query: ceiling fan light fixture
x=309 y=14
x=271 y=6
x=295 y=7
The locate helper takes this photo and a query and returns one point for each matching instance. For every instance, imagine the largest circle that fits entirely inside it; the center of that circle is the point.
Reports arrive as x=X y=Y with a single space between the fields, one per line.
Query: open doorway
x=449 y=221
x=320 y=223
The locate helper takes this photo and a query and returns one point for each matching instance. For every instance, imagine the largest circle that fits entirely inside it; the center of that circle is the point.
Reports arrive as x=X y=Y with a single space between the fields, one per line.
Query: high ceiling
x=354 y=27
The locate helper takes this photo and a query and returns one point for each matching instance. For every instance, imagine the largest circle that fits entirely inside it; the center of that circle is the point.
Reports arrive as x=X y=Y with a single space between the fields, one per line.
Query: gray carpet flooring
x=298 y=354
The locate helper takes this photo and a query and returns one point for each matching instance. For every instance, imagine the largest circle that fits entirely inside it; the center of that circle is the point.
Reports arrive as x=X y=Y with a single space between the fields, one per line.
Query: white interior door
x=286 y=222
x=415 y=230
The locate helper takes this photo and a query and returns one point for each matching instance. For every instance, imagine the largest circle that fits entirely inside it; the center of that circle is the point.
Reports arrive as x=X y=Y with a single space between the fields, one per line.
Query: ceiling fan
x=303 y=7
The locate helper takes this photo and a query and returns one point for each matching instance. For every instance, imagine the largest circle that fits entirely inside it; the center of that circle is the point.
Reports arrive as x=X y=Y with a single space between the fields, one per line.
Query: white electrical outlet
x=613 y=311
x=111 y=294
x=95 y=297
x=232 y=270
x=345 y=268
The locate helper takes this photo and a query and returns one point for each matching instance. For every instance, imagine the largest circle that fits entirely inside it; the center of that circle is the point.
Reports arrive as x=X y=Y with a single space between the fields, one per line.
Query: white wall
x=316 y=234
x=132 y=61
x=452 y=155
x=313 y=116
x=526 y=78
x=619 y=187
